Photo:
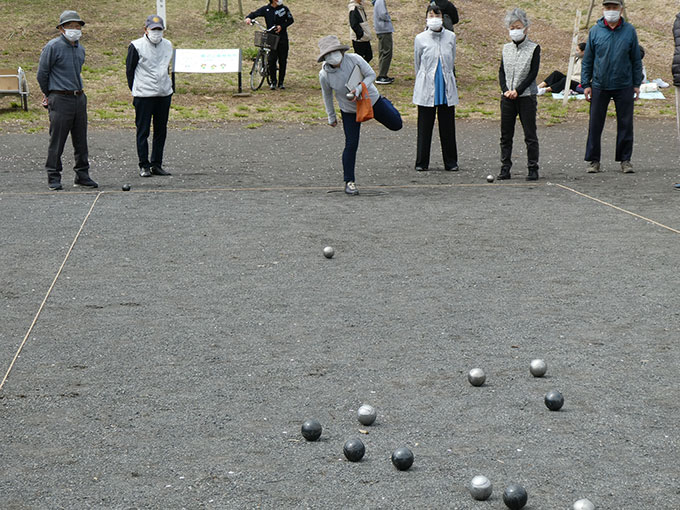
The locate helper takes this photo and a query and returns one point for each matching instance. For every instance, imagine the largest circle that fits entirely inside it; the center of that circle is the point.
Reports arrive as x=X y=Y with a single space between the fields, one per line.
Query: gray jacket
x=382 y=22
x=334 y=79
x=60 y=66
x=430 y=48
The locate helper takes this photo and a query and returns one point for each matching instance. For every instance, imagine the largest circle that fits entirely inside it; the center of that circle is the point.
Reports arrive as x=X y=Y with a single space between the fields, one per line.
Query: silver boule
x=538 y=367
x=328 y=252
x=349 y=96
x=366 y=414
x=584 y=504
x=476 y=376
x=480 y=488
x=490 y=178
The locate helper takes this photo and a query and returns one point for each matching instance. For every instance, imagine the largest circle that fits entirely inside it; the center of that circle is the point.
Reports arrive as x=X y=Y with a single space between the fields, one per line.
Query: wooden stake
x=572 y=54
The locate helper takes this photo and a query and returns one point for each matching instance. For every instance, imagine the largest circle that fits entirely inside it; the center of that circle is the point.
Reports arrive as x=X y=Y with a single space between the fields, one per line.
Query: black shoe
x=503 y=176
x=157 y=170
x=421 y=168
x=145 y=172
x=453 y=168
x=272 y=86
x=533 y=175
x=351 y=188
x=55 y=186
x=384 y=80
x=281 y=86
x=85 y=181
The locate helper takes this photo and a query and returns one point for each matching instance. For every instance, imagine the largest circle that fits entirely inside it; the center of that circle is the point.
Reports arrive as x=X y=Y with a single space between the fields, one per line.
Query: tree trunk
x=240 y=8
x=225 y=6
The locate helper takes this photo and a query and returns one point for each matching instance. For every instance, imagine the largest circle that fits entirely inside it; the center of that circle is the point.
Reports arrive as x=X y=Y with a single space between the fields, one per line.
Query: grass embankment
x=204 y=99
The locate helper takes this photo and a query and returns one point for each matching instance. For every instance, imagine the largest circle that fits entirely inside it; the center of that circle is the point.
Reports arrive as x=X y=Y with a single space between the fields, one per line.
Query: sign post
x=207 y=61
x=160 y=10
x=572 y=54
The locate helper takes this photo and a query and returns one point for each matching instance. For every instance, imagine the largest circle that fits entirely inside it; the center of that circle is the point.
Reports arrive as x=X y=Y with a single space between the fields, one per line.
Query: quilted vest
x=517 y=63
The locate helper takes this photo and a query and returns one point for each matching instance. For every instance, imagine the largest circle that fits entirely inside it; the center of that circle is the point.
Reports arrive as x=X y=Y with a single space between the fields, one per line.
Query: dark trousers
x=384 y=112
x=623 y=101
x=384 y=53
x=446 y=116
x=280 y=55
x=556 y=81
x=68 y=114
x=363 y=49
x=146 y=110
x=525 y=107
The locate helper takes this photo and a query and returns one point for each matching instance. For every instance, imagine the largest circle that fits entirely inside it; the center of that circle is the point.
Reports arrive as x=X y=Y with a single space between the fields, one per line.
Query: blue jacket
x=611 y=60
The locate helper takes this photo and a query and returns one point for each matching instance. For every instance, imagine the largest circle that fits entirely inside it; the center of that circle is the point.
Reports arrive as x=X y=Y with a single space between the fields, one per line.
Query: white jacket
x=151 y=74
x=431 y=47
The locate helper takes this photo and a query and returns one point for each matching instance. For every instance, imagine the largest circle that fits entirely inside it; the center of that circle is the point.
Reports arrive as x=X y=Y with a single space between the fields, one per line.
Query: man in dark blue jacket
x=611 y=69
x=276 y=15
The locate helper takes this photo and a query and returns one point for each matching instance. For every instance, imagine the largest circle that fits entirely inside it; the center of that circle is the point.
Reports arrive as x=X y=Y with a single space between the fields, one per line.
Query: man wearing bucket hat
x=61 y=62
x=611 y=69
x=336 y=72
x=146 y=67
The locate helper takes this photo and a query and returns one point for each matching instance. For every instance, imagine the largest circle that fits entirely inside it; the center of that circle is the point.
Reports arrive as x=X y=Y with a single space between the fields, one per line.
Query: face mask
x=334 y=58
x=434 y=24
x=612 y=17
x=73 y=34
x=155 y=36
x=517 y=34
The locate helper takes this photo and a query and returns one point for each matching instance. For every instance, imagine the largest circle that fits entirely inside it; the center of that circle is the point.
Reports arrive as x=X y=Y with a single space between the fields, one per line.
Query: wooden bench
x=13 y=83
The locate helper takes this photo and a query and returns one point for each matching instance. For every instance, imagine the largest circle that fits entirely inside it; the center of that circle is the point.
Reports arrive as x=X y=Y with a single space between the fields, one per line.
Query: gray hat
x=329 y=44
x=617 y=2
x=67 y=16
x=154 y=21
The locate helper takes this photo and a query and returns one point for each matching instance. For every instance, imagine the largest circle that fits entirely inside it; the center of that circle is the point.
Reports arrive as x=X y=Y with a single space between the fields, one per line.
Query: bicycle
x=266 y=41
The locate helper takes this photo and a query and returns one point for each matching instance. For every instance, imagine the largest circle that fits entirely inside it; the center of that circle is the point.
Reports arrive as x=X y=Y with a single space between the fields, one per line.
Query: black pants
x=363 y=49
x=146 y=109
x=446 y=116
x=623 y=101
x=556 y=81
x=280 y=55
x=68 y=114
x=525 y=107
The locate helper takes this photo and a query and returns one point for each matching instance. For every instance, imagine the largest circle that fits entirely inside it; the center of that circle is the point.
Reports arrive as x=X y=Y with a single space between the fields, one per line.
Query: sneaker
x=282 y=87
x=351 y=188
x=453 y=168
x=55 y=186
x=157 y=170
x=676 y=185
x=384 y=80
x=145 y=172
x=421 y=168
x=85 y=181
x=593 y=167
x=627 y=167
x=541 y=91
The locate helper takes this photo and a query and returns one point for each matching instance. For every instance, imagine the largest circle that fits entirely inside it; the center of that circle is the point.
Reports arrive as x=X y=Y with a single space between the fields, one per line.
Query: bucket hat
x=329 y=44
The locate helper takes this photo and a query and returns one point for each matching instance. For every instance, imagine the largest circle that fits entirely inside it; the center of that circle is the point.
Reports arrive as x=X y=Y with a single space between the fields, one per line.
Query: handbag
x=364 y=106
x=368 y=35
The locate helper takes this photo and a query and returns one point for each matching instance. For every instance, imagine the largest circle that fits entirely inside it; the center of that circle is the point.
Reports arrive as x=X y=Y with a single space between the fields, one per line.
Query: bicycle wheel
x=257 y=74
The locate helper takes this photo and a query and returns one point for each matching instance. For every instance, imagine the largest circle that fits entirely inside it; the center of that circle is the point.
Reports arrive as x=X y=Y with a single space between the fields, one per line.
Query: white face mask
x=334 y=58
x=434 y=24
x=517 y=34
x=155 y=36
x=612 y=17
x=73 y=34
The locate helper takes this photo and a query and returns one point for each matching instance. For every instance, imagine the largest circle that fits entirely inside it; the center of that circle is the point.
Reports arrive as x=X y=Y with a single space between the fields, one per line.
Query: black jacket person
x=279 y=16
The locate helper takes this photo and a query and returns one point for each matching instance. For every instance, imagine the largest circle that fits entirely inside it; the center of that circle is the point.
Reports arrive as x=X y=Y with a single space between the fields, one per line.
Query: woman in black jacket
x=361 y=39
x=675 y=68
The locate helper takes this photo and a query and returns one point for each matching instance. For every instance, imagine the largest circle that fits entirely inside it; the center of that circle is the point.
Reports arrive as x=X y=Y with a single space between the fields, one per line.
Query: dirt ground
x=195 y=324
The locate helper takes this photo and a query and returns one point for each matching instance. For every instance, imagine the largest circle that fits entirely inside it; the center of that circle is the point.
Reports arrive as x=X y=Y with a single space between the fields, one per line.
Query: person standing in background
x=146 y=67
x=382 y=23
x=61 y=63
x=675 y=68
x=359 y=32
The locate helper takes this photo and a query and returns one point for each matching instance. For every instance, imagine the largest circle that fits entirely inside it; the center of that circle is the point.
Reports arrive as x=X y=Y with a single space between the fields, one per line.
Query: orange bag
x=364 y=106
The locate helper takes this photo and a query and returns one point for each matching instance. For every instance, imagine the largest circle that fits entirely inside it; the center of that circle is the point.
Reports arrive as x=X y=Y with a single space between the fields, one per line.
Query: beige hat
x=329 y=44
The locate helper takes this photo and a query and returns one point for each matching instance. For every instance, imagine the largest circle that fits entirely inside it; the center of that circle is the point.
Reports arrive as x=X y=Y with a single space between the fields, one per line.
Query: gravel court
x=213 y=326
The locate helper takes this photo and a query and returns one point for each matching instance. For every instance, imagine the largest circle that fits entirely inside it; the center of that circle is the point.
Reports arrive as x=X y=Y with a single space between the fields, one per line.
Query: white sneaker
x=541 y=91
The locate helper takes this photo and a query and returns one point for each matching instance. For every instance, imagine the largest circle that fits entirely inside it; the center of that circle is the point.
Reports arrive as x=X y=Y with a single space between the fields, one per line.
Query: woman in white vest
x=435 y=90
x=517 y=76
x=146 y=65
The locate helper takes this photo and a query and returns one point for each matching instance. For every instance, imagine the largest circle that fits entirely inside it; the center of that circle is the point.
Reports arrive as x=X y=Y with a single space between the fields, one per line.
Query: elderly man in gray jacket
x=382 y=23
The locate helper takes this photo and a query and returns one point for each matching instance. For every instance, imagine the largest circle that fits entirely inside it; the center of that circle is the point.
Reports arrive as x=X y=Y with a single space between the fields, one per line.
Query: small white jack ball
x=366 y=414
x=480 y=488
x=538 y=368
x=476 y=376
x=490 y=178
x=328 y=252
x=583 y=504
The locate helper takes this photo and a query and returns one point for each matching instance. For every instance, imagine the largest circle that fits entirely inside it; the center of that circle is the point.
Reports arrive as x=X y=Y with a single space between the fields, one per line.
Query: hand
x=333 y=124
x=357 y=93
x=278 y=29
x=588 y=92
x=248 y=21
x=637 y=93
x=44 y=101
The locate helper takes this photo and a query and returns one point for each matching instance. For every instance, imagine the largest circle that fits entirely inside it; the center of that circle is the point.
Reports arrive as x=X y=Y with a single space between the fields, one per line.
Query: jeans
x=525 y=107
x=146 y=109
x=68 y=114
x=447 y=135
x=280 y=55
x=623 y=101
x=384 y=112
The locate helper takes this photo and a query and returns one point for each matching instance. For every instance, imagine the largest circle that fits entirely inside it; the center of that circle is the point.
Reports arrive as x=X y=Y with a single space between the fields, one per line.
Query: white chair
x=13 y=83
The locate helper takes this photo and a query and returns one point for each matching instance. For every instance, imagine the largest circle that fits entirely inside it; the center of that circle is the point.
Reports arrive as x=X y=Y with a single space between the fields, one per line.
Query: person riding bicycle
x=276 y=15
